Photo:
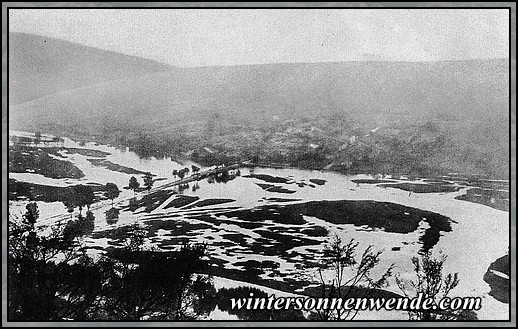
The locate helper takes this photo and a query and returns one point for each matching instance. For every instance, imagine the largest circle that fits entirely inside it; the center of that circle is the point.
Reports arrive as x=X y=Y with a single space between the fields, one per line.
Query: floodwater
x=480 y=234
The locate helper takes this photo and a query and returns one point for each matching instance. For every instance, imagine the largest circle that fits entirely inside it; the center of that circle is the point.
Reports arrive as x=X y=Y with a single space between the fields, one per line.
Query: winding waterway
x=479 y=234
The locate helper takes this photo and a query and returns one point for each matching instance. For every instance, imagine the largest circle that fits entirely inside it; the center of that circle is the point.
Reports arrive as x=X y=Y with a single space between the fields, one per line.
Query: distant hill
x=40 y=66
x=459 y=90
x=237 y=108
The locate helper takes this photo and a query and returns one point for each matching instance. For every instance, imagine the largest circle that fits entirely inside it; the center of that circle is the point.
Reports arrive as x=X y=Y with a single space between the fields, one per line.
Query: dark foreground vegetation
x=52 y=278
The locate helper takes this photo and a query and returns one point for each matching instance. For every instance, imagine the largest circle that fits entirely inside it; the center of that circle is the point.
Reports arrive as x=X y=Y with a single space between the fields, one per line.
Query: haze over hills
x=40 y=66
x=462 y=90
x=211 y=105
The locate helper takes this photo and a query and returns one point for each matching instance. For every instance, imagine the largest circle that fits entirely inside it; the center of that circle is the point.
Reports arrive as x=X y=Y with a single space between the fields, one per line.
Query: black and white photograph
x=258 y=164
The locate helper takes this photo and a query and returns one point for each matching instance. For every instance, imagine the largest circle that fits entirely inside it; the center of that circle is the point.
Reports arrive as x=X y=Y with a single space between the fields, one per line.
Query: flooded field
x=267 y=227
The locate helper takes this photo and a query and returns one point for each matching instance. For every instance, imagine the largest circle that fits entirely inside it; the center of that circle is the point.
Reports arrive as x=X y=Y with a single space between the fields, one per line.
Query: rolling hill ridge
x=240 y=109
x=40 y=66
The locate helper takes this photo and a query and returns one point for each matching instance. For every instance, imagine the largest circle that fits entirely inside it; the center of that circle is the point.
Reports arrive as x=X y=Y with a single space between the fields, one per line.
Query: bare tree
x=430 y=282
x=351 y=278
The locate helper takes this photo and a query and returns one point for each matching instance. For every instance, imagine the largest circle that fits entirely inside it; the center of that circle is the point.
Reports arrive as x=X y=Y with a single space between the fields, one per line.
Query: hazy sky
x=198 y=37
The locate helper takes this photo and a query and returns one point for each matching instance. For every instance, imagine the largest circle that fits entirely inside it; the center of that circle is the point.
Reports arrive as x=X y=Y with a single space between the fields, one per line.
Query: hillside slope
x=40 y=66
x=272 y=111
x=462 y=90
